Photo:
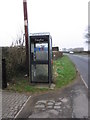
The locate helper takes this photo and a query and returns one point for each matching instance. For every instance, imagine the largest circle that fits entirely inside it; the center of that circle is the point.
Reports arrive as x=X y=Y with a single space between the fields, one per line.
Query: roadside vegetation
x=22 y=84
x=64 y=71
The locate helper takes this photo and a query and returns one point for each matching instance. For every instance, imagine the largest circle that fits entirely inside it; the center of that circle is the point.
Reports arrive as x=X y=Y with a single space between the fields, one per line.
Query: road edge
x=82 y=79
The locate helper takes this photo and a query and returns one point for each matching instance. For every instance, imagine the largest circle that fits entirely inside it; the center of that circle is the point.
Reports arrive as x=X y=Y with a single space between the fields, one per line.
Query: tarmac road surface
x=82 y=63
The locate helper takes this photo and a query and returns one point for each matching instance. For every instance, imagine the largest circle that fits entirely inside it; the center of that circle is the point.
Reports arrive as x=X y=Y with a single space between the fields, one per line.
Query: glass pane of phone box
x=41 y=51
x=40 y=73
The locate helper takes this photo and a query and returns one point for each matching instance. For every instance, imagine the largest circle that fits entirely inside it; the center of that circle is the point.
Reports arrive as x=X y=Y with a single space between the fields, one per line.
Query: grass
x=64 y=71
x=23 y=85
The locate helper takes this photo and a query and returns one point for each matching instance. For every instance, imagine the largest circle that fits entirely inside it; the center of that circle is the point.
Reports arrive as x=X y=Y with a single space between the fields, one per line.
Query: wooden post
x=26 y=34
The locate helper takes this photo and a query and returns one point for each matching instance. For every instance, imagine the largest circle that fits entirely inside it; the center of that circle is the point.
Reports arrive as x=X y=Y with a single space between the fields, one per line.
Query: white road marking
x=83 y=79
x=22 y=107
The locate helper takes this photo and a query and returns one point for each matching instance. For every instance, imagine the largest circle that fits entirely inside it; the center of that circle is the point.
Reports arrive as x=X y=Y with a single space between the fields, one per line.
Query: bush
x=15 y=61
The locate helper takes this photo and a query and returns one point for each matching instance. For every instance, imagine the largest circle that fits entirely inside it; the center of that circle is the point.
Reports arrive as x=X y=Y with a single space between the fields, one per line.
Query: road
x=82 y=63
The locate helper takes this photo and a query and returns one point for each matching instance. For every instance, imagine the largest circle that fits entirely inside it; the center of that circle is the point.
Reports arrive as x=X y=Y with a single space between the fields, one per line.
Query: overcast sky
x=66 y=20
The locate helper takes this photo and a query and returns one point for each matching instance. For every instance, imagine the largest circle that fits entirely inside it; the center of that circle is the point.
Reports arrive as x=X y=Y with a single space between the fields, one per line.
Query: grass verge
x=23 y=85
x=64 y=71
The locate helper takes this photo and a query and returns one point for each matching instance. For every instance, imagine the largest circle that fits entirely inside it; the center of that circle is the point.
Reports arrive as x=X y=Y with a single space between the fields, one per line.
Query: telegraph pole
x=26 y=33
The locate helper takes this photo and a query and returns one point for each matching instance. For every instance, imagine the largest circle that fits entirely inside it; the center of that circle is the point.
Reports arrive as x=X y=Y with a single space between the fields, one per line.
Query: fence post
x=4 y=80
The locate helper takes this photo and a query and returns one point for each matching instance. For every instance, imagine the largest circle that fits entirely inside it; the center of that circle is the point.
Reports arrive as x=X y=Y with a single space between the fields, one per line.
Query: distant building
x=70 y=49
x=78 y=49
x=64 y=50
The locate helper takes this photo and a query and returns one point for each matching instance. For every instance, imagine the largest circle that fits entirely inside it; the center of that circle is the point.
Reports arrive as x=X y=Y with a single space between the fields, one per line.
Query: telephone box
x=40 y=58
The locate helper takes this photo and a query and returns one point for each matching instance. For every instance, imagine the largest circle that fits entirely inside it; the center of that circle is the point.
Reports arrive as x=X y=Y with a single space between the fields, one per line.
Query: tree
x=19 y=41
